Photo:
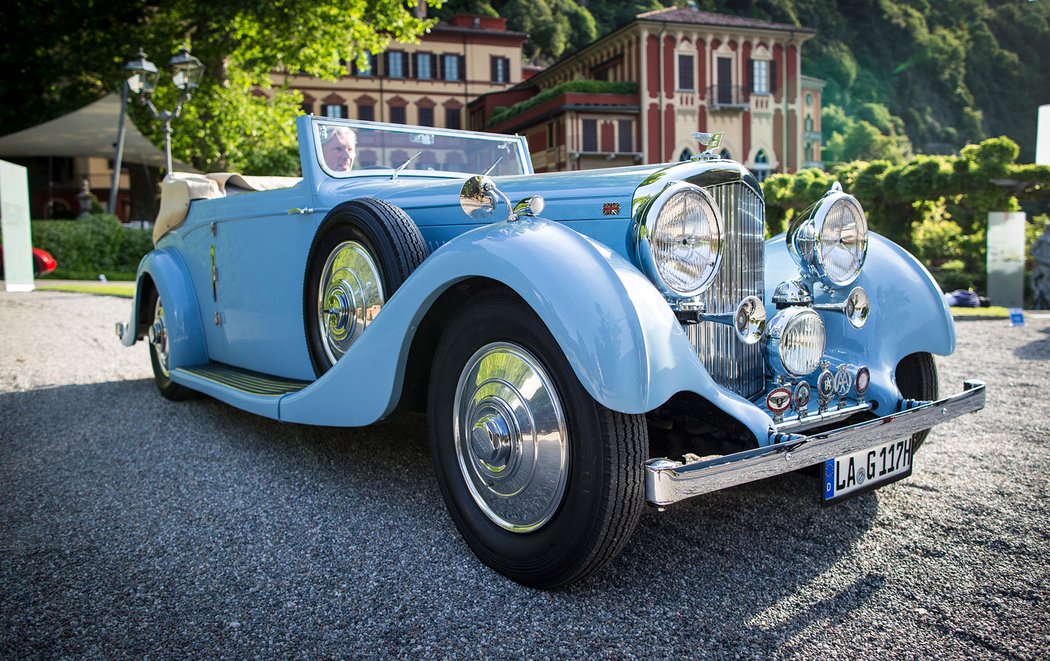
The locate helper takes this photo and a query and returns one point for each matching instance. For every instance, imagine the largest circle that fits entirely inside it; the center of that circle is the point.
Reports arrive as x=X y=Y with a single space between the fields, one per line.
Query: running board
x=251 y=391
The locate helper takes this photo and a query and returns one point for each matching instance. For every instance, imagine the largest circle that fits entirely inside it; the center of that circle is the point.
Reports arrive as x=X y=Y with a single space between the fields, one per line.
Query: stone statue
x=84 y=197
x=1041 y=272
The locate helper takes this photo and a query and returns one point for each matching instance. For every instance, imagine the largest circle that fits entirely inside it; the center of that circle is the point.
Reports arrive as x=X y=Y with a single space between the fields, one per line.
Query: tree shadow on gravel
x=206 y=515
x=1037 y=350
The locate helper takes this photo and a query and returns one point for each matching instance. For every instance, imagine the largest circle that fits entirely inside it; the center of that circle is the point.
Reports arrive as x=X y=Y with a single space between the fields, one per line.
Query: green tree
x=876 y=136
x=70 y=53
x=554 y=26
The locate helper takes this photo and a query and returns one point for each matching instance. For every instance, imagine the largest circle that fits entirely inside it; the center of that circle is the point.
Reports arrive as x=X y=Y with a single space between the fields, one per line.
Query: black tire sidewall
x=573 y=526
x=916 y=378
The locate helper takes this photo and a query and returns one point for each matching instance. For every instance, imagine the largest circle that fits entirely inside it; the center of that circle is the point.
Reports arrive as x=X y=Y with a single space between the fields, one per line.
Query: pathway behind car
x=134 y=526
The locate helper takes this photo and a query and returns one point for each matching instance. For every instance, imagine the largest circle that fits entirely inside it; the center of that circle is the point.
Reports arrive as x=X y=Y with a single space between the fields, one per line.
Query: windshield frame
x=519 y=147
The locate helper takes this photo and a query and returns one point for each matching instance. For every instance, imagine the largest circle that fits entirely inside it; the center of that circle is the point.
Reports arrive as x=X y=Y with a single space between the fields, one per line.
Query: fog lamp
x=796 y=341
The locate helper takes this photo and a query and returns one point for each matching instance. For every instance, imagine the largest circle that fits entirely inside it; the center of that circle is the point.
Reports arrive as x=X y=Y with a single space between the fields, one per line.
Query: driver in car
x=339 y=148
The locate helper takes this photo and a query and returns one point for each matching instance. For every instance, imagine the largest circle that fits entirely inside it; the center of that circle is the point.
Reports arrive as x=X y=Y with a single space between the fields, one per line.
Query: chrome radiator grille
x=732 y=363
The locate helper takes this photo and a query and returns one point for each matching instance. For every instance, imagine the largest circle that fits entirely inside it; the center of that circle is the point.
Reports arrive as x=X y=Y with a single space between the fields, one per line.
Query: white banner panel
x=1042 y=137
x=16 y=231
x=1006 y=258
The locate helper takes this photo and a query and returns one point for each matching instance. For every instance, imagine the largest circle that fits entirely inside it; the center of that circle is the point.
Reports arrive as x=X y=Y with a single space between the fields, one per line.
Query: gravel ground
x=134 y=526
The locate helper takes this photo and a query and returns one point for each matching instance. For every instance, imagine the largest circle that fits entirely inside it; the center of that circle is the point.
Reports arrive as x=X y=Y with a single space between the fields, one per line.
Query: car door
x=259 y=250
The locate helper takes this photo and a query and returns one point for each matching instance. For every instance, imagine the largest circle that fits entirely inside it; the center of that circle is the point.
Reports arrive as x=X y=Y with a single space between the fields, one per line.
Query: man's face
x=339 y=151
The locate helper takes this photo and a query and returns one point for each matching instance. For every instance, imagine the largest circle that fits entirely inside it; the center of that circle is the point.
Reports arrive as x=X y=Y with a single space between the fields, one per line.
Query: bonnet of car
x=568 y=196
x=591 y=201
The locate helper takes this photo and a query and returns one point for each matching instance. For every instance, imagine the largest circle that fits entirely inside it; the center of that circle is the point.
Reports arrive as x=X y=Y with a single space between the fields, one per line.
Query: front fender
x=169 y=275
x=617 y=332
x=908 y=312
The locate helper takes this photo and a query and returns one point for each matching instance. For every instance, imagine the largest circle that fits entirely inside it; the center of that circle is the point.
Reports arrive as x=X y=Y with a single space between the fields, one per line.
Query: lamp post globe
x=141 y=75
x=140 y=78
x=186 y=72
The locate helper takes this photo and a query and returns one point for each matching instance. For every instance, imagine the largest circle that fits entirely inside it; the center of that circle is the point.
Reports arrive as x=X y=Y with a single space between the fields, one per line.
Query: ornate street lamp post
x=140 y=79
x=137 y=73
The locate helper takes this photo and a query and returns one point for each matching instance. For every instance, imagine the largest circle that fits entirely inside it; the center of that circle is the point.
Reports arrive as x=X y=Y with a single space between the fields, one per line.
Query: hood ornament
x=709 y=142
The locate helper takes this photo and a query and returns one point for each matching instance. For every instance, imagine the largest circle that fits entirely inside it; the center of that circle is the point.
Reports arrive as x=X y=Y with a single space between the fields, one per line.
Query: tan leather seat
x=252 y=183
x=177 y=190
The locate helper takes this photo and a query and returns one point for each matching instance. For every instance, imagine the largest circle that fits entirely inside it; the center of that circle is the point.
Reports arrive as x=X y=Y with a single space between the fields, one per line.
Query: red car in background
x=43 y=262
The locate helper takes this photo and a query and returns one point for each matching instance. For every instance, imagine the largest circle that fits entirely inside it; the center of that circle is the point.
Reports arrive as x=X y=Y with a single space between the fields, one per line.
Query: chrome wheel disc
x=349 y=297
x=511 y=437
x=158 y=337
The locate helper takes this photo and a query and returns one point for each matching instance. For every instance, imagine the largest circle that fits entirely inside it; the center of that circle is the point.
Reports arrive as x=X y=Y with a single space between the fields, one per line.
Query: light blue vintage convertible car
x=583 y=342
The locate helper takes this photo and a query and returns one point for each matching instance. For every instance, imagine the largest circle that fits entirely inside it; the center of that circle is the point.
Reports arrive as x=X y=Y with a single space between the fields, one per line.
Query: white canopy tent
x=89 y=131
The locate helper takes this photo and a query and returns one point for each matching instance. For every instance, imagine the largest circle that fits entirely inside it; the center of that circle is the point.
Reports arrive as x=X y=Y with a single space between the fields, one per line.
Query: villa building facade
x=428 y=83
x=684 y=71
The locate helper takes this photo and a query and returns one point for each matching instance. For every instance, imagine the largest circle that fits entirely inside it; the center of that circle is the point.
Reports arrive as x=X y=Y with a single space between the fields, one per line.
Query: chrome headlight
x=680 y=240
x=796 y=341
x=831 y=243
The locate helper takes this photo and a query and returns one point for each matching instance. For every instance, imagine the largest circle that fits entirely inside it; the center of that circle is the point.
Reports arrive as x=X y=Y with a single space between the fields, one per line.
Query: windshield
x=349 y=148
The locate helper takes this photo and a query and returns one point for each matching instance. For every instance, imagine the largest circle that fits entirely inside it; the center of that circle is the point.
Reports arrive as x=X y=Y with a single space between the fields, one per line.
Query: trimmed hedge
x=585 y=86
x=96 y=245
x=936 y=207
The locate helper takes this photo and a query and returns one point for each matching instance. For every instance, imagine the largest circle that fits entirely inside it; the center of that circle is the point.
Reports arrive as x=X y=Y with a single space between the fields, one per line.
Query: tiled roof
x=694 y=17
x=446 y=27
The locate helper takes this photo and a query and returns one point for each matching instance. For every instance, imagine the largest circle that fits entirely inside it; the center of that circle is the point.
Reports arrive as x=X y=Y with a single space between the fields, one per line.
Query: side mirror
x=476 y=199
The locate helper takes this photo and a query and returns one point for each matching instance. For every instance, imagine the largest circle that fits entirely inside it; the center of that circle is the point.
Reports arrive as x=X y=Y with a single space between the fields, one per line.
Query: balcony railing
x=728 y=97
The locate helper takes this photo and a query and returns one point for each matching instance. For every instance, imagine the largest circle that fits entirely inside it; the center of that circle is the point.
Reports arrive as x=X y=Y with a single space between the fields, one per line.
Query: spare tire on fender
x=363 y=252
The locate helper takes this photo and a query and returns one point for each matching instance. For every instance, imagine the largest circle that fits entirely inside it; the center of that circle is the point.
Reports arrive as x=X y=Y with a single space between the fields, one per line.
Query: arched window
x=685 y=155
x=761 y=168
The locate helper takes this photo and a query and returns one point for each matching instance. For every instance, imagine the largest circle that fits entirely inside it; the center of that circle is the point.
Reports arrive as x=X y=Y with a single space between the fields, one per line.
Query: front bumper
x=668 y=481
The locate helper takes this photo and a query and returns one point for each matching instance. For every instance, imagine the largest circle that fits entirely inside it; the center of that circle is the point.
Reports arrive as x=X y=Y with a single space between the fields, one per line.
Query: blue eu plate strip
x=829 y=478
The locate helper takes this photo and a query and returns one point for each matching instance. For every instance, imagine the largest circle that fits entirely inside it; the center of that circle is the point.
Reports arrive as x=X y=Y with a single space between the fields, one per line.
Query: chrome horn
x=856 y=307
x=748 y=320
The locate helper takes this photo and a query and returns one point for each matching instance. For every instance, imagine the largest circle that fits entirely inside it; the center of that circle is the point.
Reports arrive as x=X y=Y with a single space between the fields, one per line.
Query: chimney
x=421 y=9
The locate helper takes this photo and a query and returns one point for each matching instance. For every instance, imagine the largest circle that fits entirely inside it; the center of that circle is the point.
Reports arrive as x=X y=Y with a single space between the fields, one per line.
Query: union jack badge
x=611 y=209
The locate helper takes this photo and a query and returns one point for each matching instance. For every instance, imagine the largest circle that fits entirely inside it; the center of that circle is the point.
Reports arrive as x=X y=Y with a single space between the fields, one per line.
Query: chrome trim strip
x=669 y=481
x=817 y=418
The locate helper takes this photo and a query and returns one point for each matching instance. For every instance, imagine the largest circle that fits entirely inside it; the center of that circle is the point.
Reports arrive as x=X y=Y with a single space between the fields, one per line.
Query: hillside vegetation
x=904 y=76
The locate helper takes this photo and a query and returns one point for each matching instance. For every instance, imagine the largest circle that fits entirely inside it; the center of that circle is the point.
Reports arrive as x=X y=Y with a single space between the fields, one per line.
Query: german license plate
x=853 y=474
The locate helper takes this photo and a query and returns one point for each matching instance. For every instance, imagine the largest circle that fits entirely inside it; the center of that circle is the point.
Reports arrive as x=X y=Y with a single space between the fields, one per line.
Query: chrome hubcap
x=511 y=437
x=349 y=298
x=158 y=337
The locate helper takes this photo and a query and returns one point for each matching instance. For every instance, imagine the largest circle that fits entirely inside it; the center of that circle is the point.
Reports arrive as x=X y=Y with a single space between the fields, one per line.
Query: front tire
x=916 y=377
x=545 y=484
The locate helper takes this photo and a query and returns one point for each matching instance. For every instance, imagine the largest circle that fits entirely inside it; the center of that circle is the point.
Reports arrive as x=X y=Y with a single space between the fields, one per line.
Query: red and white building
x=695 y=71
